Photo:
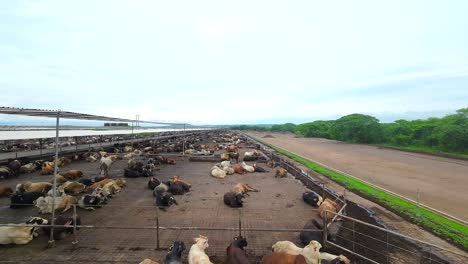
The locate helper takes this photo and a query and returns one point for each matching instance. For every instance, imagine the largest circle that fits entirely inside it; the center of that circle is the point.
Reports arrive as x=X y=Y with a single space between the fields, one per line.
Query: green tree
x=358 y=128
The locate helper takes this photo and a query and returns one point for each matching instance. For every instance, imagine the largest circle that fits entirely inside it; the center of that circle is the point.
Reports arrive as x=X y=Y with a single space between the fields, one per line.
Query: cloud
x=218 y=62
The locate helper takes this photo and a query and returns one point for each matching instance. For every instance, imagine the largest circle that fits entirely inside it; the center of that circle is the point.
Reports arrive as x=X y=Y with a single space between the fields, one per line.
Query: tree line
x=449 y=133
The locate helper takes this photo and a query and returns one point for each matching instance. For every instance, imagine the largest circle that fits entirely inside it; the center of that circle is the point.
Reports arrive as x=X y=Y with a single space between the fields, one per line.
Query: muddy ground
x=278 y=205
x=442 y=181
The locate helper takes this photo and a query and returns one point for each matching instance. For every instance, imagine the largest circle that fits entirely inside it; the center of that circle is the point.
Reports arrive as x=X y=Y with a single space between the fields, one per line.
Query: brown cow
x=238 y=169
x=5 y=191
x=330 y=206
x=47 y=169
x=98 y=184
x=73 y=174
x=234 y=155
x=243 y=188
x=225 y=156
x=283 y=258
x=176 y=178
x=281 y=173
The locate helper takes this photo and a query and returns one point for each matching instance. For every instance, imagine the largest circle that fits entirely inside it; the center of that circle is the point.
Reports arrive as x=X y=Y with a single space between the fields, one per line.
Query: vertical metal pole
x=354 y=232
x=417 y=199
x=54 y=187
x=183 y=146
x=75 y=242
x=157 y=228
x=325 y=223
x=240 y=222
x=76 y=145
x=387 y=250
x=40 y=147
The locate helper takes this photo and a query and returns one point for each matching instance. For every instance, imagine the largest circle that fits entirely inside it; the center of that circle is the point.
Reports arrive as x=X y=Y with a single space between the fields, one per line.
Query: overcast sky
x=224 y=62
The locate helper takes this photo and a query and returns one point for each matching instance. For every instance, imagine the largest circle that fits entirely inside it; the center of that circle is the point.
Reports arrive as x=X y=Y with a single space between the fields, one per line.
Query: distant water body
x=32 y=134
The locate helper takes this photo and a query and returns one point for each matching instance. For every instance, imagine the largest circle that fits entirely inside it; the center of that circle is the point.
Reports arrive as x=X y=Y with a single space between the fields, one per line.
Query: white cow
x=19 y=234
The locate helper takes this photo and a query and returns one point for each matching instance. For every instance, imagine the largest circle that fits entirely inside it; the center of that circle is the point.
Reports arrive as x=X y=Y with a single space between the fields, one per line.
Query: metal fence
x=380 y=245
x=45 y=152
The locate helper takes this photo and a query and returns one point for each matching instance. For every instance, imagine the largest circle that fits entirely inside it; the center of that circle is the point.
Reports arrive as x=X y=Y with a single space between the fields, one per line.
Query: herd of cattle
x=284 y=252
x=90 y=193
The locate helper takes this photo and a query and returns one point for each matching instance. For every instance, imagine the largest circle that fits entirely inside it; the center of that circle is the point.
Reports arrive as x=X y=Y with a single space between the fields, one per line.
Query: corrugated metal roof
x=71 y=115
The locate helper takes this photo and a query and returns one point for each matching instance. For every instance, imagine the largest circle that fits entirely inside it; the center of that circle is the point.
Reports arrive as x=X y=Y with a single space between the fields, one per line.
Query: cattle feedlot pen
x=68 y=115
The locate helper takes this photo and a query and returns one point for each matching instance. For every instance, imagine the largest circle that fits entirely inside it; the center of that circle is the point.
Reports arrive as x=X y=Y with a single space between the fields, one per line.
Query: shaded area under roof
x=72 y=115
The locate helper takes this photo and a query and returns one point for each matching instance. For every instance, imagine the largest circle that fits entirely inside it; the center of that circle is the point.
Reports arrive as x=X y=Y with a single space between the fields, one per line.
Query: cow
x=236 y=252
x=271 y=164
x=153 y=183
x=328 y=205
x=234 y=156
x=217 y=172
x=47 y=169
x=28 y=186
x=311 y=252
x=21 y=200
x=258 y=168
x=14 y=166
x=162 y=187
x=73 y=188
x=19 y=234
x=129 y=173
x=281 y=173
x=197 y=253
x=5 y=191
x=243 y=188
x=250 y=158
x=148 y=261
x=90 y=202
x=131 y=163
x=238 y=169
x=73 y=174
x=312 y=198
x=165 y=200
x=326 y=258
x=59 y=179
x=247 y=168
x=174 y=256
x=225 y=156
x=63 y=202
x=233 y=200
x=5 y=172
x=28 y=168
x=283 y=258
x=105 y=165
x=317 y=234
x=65 y=226
x=85 y=181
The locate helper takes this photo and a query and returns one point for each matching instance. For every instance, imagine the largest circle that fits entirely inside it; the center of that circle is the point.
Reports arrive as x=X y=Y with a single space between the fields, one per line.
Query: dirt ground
x=441 y=181
x=278 y=205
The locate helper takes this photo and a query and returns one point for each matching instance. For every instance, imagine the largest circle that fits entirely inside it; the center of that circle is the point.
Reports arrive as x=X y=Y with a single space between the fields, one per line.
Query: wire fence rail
x=385 y=246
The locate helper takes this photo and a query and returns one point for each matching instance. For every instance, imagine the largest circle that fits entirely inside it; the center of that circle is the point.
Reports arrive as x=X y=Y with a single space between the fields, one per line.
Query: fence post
x=325 y=232
x=240 y=222
x=40 y=147
x=157 y=228
x=354 y=236
x=75 y=241
x=387 y=249
x=417 y=199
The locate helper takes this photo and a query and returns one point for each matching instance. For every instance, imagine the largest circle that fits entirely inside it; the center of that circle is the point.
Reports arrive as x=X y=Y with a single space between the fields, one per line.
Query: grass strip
x=441 y=226
x=428 y=150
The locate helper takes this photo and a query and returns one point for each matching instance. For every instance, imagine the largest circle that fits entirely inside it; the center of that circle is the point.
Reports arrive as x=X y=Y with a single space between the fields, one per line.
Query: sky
x=233 y=62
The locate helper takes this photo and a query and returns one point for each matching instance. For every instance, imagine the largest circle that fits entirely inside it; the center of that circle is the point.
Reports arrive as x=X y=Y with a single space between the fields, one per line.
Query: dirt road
x=442 y=182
